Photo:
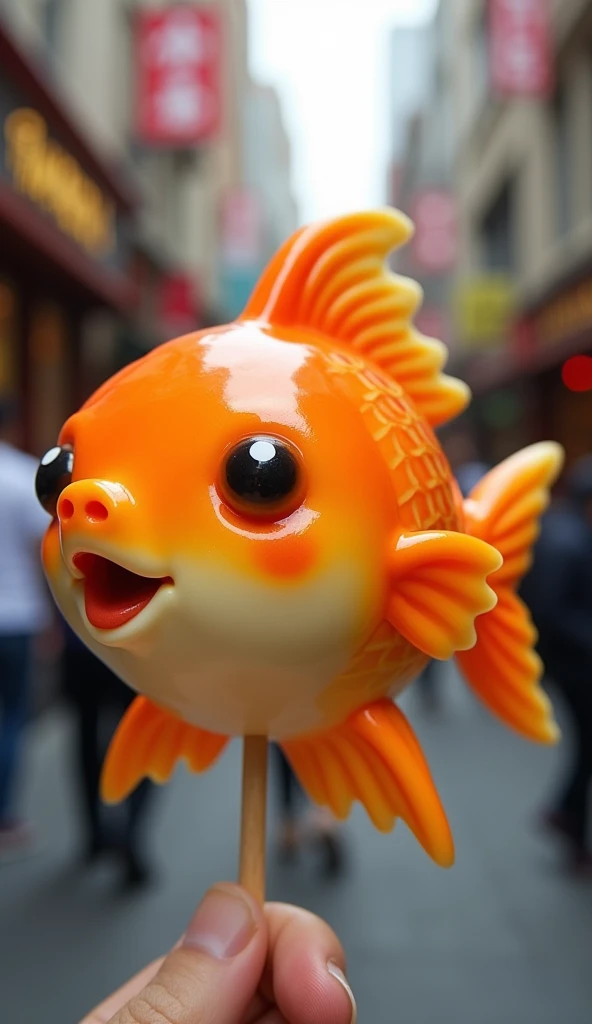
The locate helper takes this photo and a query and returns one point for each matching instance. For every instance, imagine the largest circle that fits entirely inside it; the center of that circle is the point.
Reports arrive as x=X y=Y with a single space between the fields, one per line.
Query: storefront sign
x=8 y=321
x=236 y=287
x=566 y=316
x=576 y=373
x=241 y=248
x=179 y=80
x=241 y=228
x=179 y=303
x=42 y=170
x=520 y=47
x=434 y=244
x=485 y=306
x=48 y=174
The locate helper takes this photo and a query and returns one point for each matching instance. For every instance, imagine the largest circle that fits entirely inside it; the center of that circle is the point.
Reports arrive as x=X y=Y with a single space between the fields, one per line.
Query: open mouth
x=114 y=595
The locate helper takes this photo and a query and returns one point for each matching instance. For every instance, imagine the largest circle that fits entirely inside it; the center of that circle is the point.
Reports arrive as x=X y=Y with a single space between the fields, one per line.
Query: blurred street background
x=153 y=156
x=502 y=936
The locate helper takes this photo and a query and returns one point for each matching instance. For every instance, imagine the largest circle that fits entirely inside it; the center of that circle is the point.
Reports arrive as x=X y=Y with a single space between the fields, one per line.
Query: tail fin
x=502 y=668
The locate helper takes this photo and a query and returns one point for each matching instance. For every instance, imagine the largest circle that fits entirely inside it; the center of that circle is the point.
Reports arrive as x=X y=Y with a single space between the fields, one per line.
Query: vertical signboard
x=434 y=244
x=241 y=248
x=241 y=228
x=520 y=47
x=178 y=67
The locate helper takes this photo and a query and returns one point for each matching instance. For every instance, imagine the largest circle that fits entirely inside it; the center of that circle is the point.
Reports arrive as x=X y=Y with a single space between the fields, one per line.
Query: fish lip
x=112 y=622
x=132 y=563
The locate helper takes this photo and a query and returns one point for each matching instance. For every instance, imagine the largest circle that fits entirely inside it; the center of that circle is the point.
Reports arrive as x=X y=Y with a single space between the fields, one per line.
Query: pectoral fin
x=148 y=743
x=438 y=586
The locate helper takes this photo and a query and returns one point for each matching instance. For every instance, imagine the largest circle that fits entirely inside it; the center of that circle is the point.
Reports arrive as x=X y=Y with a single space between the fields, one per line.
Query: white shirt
x=24 y=601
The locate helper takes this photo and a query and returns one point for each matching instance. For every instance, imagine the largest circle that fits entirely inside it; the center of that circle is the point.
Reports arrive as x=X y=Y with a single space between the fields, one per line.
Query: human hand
x=240 y=964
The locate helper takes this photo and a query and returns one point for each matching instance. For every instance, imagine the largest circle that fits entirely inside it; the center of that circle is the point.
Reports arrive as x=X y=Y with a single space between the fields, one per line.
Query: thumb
x=213 y=974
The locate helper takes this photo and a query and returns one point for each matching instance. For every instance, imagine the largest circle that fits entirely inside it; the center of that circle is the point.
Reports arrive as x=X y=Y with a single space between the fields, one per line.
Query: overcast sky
x=329 y=62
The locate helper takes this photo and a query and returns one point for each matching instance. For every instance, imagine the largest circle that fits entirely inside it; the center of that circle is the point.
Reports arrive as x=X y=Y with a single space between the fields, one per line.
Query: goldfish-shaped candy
x=256 y=528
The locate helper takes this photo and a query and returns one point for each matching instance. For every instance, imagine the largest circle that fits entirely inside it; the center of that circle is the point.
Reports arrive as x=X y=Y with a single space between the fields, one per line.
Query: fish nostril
x=96 y=512
x=65 y=509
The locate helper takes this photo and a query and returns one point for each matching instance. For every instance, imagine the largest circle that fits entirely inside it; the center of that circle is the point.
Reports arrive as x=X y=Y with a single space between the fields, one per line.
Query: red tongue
x=113 y=595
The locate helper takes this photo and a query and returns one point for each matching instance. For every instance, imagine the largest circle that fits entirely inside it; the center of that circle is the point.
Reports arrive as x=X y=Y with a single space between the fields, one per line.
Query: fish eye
x=53 y=475
x=262 y=476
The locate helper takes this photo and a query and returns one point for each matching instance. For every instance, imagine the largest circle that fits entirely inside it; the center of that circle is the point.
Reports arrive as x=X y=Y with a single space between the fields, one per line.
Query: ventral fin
x=437 y=588
x=148 y=743
x=375 y=758
x=332 y=278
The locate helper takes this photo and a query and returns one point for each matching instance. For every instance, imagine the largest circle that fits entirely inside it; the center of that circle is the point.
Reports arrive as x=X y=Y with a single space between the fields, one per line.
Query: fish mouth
x=114 y=595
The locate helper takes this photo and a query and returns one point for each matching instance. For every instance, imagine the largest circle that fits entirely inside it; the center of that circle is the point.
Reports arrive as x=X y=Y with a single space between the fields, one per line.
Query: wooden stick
x=253 y=816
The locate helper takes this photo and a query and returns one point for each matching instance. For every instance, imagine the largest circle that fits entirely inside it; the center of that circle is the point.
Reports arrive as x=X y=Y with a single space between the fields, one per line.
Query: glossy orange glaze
x=162 y=430
x=287 y=558
x=290 y=623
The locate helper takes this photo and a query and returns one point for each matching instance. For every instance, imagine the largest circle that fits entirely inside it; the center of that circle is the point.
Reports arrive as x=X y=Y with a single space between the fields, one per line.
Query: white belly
x=237 y=656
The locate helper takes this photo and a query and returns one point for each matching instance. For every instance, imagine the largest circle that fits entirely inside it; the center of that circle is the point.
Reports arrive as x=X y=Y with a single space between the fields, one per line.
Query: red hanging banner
x=241 y=228
x=520 y=47
x=178 y=67
x=435 y=242
x=179 y=304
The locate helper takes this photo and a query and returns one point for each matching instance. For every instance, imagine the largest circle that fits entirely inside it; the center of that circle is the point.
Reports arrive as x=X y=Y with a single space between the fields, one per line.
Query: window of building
x=51 y=27
x=481 y=57
x=562 y=162
x=8 y=342
x=49 y=354
x=498 y=231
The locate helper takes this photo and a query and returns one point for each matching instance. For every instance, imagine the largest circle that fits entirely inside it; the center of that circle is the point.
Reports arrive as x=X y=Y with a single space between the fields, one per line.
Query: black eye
x=53 y=475
x=262 y=475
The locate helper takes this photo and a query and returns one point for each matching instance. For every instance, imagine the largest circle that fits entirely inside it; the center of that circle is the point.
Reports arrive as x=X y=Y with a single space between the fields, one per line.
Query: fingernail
x=339 y=976
x=222 y=925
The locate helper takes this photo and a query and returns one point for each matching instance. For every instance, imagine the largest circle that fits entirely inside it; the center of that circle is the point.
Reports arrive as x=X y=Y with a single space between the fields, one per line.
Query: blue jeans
x=14 y=705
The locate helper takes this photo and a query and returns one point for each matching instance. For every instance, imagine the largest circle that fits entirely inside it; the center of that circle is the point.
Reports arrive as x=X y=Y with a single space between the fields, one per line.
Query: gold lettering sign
x=56 y=182
x=484 y=308
x=567 y=315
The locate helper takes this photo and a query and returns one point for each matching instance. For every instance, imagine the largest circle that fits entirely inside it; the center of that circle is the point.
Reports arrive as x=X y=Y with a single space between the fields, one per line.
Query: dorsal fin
x=332 y=277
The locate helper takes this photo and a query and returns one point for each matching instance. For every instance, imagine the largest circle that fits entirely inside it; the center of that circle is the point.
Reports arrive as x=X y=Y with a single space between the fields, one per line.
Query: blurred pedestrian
x=466 y=463
x=99 y=699
x=25 y=612
x=429 y=688
x=290 y=793
x=318 y=824
x=558 y=591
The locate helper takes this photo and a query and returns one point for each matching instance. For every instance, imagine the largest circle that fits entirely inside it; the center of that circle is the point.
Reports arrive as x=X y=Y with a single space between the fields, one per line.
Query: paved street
x=503 y=937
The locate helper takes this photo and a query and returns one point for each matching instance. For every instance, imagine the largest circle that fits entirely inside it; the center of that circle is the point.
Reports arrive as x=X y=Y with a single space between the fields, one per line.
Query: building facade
x=110 y=243
x=516 y=301
x=65 y=223
x=523 y=168
x=421 y=178
x=267 y=213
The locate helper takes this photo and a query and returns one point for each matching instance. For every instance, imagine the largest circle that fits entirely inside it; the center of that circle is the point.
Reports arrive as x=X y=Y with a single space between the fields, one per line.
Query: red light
x=576 y=373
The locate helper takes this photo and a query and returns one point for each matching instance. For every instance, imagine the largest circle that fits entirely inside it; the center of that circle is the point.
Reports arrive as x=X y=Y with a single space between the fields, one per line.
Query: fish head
x=220 y=520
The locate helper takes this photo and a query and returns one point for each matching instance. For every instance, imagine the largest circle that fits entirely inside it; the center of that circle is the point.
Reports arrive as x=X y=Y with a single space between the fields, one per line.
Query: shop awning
x=61 y=204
